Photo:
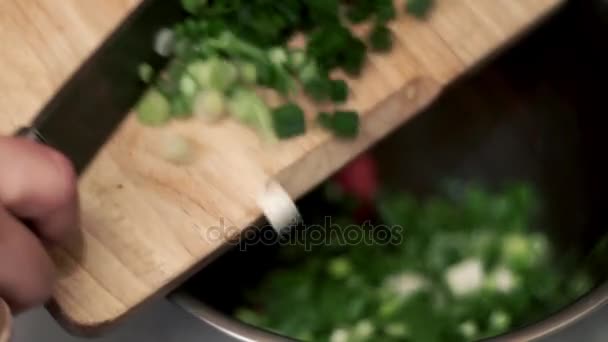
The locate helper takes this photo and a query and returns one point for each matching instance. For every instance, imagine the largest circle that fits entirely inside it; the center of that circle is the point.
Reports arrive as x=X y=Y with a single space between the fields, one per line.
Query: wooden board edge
x=98 y=327
x=516 y=38
x=390 y=114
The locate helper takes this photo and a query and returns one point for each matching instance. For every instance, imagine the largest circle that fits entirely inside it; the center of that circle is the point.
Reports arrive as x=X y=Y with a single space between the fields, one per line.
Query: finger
x=5 y=322
x=38 y=184
x=26 y=270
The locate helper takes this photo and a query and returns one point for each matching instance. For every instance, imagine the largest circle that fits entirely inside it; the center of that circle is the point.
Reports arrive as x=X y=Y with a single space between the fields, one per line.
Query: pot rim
x=558 y=321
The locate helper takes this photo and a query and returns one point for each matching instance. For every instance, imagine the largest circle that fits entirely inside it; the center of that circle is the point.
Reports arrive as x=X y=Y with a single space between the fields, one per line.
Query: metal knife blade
x=89 y=107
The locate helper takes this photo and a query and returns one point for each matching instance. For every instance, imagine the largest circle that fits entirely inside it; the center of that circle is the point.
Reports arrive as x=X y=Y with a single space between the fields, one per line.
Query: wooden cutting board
x=147 y=224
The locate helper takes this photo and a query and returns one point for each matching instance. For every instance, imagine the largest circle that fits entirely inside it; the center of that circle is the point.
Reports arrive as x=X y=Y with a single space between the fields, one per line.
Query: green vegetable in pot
x=339 y=268
x=522 y=252
x=398 y=291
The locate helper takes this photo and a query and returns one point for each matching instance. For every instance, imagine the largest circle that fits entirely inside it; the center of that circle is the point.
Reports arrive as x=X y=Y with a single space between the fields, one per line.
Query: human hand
x=37 y=186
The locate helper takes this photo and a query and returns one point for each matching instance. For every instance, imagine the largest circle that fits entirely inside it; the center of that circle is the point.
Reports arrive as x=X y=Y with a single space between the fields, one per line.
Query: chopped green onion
x=419 y=8
x=339 y=267
x=345 y=124
x=146 y=73
x=339 y=91
x=499 y=321
x=248 y=72
x=153 y=109
x=176 y=149
x=309 y=72
x=289 y=121
x=385 y=10
x=278 y=56
x=357 y=14
x=223 y=74
x=188 y=86
x=181 y=107
x=164 y=42
x=210 y=105
x=297 y=60
x=396 y=330
x=201 y=72
x=220 y=47
x=469 y=330
x=319 y=89
x=363 y=330
x=214 y=73
x=193 y=6
x=249 y=108
x=381 y=38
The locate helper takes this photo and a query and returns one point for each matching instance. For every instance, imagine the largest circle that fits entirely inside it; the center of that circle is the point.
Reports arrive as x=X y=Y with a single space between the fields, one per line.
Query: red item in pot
x=359 y=179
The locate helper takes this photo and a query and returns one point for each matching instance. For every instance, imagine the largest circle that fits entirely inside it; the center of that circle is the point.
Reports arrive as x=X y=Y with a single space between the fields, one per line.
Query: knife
x=89 y=107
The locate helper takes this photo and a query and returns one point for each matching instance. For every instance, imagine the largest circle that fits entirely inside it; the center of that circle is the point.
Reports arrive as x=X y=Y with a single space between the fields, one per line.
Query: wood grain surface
x=147 y=224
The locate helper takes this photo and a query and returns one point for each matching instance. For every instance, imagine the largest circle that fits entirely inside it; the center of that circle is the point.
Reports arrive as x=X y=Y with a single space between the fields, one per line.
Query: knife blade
x=88 y=108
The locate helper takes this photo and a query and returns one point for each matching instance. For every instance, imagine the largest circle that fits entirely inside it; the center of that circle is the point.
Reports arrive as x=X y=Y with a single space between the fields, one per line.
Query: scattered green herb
x=345 y=124
x=419 y=8
x=246 y=106
x=146 y=73
x=381 y=38
x=339 y=91
x=289 y=121
x=226 y=45
x=153 y=108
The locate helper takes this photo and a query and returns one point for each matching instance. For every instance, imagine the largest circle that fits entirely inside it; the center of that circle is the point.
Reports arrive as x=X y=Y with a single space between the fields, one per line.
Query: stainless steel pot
x=240 y=331
x=562 y=153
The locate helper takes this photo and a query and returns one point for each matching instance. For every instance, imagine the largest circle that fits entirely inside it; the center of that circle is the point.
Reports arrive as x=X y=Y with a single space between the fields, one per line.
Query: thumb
x=5 y=322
